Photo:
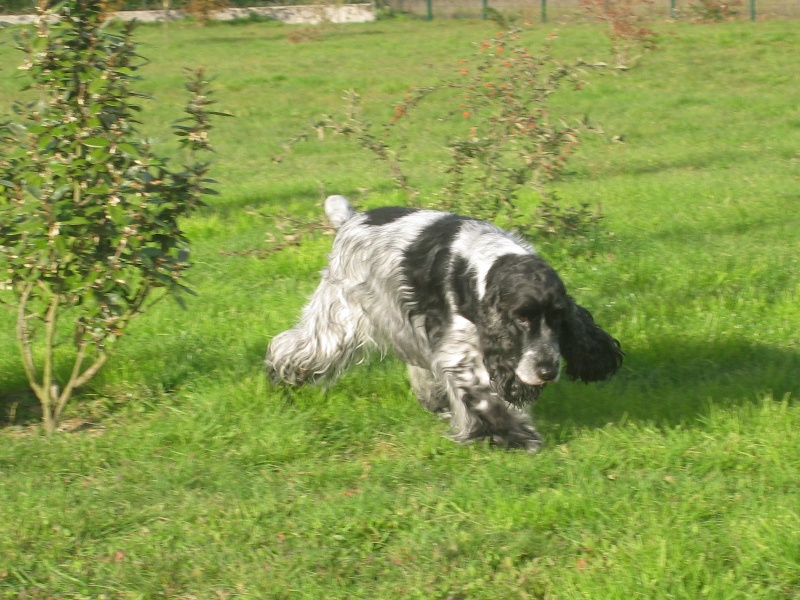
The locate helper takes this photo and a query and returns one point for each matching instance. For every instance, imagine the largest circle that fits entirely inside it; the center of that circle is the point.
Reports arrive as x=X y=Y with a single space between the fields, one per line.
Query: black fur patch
x=591 y=353
x=387 y=214
x=524 y=282
x=464 y=284
x=425 y=268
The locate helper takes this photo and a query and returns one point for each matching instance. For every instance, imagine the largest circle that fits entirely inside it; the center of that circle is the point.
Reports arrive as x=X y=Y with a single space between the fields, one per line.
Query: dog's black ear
x=590 y=352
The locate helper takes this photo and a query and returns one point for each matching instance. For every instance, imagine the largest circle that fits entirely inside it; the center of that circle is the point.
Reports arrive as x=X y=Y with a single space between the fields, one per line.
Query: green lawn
x=677 y=479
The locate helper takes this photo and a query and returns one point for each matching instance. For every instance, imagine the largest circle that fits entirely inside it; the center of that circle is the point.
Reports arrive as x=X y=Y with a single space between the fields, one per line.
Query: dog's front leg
x=478 y=412
x=506 y=424
x=429 y=391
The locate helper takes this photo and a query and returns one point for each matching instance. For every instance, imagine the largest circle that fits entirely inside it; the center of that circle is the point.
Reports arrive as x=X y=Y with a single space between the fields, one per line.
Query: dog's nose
x=548 y=373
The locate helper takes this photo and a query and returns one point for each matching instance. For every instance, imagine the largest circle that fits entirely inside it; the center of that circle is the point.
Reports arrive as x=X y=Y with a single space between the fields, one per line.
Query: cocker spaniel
x=482 y=322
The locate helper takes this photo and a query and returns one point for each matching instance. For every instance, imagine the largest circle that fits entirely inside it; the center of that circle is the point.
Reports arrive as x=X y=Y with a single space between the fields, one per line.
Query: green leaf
x=36 y=129
x=128 y=149
x=117 y=213
x=59 y=192
x=179 y=301
x=99 y=155
x=96 y=142
x=34 y=191
x=99 y=190
x=151 y=252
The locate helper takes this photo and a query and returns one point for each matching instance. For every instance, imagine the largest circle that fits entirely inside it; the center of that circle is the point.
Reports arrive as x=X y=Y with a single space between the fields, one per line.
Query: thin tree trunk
x=49 y=385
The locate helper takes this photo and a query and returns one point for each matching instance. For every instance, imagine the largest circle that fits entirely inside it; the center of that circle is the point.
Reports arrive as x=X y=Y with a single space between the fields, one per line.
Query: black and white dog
x=482 y=322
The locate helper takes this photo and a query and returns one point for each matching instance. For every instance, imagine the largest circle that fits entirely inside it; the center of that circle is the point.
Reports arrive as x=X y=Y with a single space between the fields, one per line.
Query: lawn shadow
x=137 y=374
x=21 y=414
x=297 y=202
x=673 y=382
x=697 y=160
x=666 y=384
x=18 y=404
x=21 y=411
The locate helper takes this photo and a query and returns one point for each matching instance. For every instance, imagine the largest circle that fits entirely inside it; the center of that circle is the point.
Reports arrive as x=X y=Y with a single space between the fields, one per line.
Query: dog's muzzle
x=532 y=370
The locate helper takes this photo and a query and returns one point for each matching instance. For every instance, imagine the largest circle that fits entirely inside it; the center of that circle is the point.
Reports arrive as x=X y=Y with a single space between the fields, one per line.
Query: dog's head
x=530 y=324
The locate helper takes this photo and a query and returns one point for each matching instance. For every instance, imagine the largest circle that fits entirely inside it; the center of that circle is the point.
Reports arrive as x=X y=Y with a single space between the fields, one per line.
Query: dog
x=482 y=322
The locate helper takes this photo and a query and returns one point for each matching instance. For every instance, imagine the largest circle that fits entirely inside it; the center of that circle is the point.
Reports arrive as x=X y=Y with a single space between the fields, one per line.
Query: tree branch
x=76 y=378
x=50 y=321
x=92 y=370
x=23 y=337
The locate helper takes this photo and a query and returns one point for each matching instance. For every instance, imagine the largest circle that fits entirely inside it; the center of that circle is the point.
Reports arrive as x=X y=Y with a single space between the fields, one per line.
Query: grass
x=677 y=479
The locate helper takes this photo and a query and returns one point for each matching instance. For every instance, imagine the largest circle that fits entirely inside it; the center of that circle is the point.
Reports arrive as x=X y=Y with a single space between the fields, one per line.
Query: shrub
x=506 y=140
x=626 y=26
x=89 y=214
x=715 y=10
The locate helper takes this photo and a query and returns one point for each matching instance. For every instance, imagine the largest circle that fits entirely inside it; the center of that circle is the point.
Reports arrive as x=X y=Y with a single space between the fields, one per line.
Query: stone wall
x=309 y=14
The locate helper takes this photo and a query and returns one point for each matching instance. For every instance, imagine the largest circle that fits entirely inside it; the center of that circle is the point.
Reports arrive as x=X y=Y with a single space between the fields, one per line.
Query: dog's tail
x=338 y=210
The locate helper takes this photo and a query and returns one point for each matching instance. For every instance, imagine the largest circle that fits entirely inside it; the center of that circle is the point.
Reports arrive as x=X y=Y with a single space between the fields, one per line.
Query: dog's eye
x=521 y=320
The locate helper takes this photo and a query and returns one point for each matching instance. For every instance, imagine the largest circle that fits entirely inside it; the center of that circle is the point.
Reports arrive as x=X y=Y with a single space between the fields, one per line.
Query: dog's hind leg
x=430 y=392
x=331 y=334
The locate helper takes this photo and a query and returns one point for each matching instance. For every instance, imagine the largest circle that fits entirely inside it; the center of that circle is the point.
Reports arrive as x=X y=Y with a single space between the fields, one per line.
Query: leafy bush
x=626 y=26
x=89 y=215
x=506 y=140
x=714 y=10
